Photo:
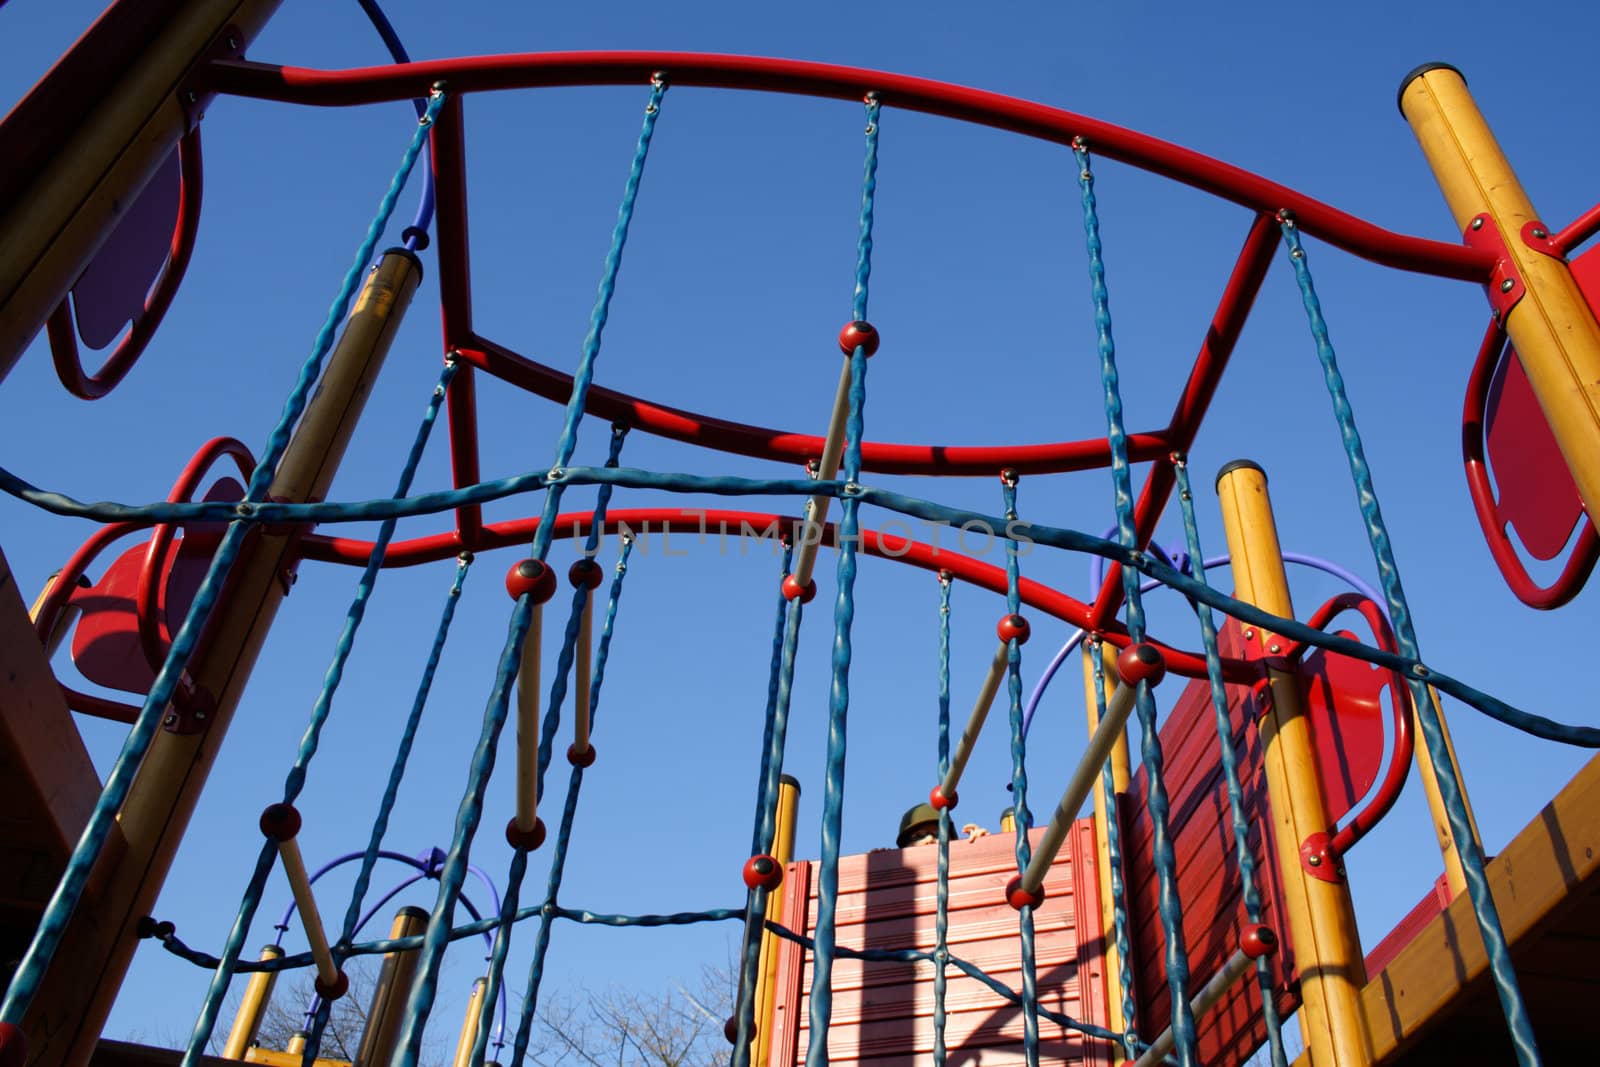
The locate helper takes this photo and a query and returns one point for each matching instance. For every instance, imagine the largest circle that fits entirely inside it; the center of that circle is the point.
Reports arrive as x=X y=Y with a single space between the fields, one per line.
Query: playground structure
x=1208 y=891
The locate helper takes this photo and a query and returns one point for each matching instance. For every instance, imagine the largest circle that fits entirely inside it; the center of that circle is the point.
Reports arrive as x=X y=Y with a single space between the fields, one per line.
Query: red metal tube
x=486 y=73
x=1394 y=778
x=1578 y=231
x=153 y=636
x=714 y=522
x=448 y=144
x=763 y=443
x=64 y=335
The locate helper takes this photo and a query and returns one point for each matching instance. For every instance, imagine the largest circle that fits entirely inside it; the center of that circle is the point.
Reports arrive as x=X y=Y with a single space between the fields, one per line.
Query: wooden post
x=1327 y=949
x=767 y=972
x=387 y=1010
x=63 y=1021
x=1552 y=326
x=1121 y=772
x=252 y=1008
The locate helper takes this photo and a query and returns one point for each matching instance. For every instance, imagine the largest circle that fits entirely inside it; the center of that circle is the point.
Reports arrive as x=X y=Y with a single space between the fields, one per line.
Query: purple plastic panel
x=112 y=289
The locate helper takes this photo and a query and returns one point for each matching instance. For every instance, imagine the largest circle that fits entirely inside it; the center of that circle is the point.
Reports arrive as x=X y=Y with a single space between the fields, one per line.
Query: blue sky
x=737 y=276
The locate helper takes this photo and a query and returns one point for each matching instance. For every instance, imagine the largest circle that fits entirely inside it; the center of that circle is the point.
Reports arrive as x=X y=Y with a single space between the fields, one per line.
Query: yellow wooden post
x=1121 y=771
x=64 y=1020
x=1454 y=877
x=252 y=1008
x=1552 y=326
x=767 y=972
x=1327 y=949
x=469 y=1025
x=388 y=1007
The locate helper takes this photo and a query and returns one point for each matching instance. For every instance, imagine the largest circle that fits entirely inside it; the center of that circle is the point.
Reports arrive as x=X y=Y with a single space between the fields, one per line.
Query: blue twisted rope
x=941 y=927
x=558 y=860
x=1119 y=892
x=323 y=707
x=548 y=730
x=1230 y=764
x=1019 y=782
x=843 y=615
x=1170 y=908
x=724 y=485
x=583 y=377
x=423 y=991
x=1472 y=861
x=470 y=812
x=68 y=892
x=768 y=786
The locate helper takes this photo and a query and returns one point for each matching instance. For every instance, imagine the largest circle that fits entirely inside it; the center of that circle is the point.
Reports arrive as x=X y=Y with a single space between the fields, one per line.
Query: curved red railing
x=1401 y=715
x=63 y=334
x=56 y=599
x=469 y=74
x=1586 y=550
x=711 y=521
x=154 y=637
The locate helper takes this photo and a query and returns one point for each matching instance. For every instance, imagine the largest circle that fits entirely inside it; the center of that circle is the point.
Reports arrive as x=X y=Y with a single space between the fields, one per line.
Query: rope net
x=516 y=688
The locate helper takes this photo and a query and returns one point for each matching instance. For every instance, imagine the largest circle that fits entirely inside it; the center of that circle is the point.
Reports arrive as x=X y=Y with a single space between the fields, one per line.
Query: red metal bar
x=448 y=143
x=64 y=336
x=1585 y=551
x=153 y=635
x=485 y=73
x=1249 y=271
x=1578 y=231
x=715 y=522
x=1394 y=778
x=762 y=443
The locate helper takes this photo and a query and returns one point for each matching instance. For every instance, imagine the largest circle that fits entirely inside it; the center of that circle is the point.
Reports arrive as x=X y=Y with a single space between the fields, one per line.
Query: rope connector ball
x=280 y=822
x=1142 y=662
x=762 y=872
x=525 y=840
x=585 y=572
x=938 y=801
x=533 y=578
x=1020 y=898
x=583 y=759
x=858 y=333
x=792 y=589
x=1014 y=628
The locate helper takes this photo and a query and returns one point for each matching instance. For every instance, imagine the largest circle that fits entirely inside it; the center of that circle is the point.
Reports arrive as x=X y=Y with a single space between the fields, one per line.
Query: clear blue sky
x=737 y=278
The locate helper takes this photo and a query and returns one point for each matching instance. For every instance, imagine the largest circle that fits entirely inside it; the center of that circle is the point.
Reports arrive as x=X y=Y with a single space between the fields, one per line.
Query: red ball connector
x=858 y=334
x=533 y=578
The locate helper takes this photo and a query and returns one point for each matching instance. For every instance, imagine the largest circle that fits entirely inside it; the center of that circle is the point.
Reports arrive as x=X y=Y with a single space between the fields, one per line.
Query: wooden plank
x=1553 y=861
x=48 y=786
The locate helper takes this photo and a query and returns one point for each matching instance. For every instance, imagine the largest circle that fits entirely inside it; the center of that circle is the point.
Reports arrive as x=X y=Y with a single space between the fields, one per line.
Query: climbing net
x=839 y=480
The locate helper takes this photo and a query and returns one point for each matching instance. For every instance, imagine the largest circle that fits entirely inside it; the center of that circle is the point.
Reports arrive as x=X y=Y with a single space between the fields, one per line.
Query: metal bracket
x=1505 y=286
x=193 y=95
x=191 y=710
x=1536 y=235
x=1319 y=860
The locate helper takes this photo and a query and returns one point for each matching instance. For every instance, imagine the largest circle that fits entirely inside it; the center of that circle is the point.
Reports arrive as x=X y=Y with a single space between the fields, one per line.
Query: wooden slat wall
x=883 y=1012
x=1208 y=878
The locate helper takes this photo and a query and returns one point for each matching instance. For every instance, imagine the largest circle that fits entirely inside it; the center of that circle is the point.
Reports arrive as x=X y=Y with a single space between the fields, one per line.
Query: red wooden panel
x=883 y=1012
x=1208 y=878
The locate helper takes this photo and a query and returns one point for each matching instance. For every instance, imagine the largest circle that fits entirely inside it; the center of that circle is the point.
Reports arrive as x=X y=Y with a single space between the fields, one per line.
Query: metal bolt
x=170 y=720
x=1274 y=647
x=1477 y=223
x=1314 y=859
x=1249 y=632
x=233 y=43
x=1508 y=285
x=1539 y=233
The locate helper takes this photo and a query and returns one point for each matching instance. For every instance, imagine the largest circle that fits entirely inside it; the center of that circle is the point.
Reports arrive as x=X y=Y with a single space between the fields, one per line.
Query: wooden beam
x=48 y=786
x=1554 y=858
